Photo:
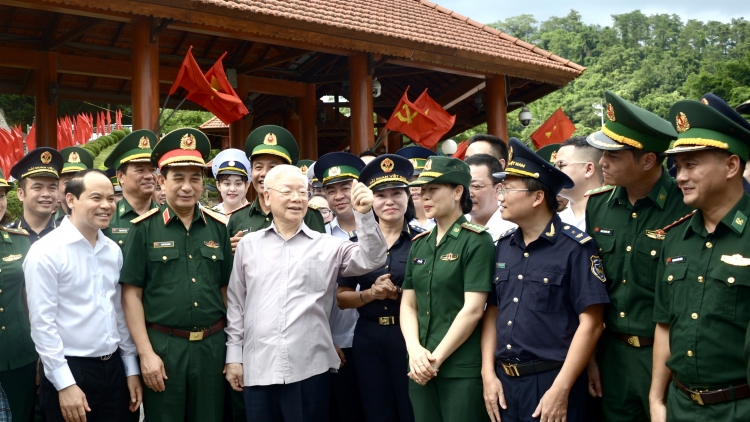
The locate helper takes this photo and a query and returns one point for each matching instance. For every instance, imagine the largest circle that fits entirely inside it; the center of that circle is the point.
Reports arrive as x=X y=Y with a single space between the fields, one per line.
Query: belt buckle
x=633 y=341
x=511 y=369
x=106 y=357
x=386 y=320
x=695 y=396
x=196 y=335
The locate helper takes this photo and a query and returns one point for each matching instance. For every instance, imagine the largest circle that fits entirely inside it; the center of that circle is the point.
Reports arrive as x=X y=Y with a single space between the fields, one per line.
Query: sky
x=598 y=12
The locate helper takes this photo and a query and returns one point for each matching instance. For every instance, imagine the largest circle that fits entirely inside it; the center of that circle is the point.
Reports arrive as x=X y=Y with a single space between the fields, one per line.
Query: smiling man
x=485 y=208
x=76 y=159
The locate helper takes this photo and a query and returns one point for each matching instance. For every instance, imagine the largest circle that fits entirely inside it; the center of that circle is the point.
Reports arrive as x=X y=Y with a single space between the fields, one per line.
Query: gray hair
x=281 y=172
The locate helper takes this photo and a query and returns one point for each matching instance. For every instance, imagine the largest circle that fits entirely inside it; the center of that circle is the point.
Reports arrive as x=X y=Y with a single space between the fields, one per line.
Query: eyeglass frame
x=285 y=194
x=503 y=191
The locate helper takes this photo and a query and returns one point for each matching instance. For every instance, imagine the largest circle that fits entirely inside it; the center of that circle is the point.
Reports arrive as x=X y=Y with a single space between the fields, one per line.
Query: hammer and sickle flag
x=410 y=120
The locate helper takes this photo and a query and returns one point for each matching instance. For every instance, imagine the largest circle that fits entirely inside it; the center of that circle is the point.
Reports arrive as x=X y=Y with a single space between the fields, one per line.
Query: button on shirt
x=703 y=292
x=75 y=302
x=343 y=321
x=280 y=296
x=540 y=289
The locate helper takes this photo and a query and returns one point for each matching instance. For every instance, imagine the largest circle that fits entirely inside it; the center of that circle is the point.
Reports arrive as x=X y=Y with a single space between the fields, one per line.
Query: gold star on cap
x=682 y=122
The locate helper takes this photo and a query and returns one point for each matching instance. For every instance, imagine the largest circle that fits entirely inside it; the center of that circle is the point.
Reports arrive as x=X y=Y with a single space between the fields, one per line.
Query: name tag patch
x=115 y=230
x=419 y=261
x=500 y=265
x=675 y=260
x=606 y=232
x=169 y=244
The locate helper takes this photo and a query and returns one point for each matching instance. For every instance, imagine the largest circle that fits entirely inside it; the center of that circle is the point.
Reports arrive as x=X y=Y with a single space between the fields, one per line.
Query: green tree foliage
x=183 y=118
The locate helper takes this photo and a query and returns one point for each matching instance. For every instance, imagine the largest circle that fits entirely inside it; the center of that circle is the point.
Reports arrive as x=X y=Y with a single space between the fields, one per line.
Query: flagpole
x=381 y=136
x=159 y=126
x=161 y=112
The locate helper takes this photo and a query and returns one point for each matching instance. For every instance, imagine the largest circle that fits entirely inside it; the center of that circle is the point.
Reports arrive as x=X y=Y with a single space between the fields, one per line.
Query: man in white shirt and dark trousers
x=485 y=209
x=580 y=161
x=77 y=323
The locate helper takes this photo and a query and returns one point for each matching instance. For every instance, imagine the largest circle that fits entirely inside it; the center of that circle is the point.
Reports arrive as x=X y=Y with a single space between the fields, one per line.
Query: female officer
x=17 y=354
x=445 y=288
x=379 y=349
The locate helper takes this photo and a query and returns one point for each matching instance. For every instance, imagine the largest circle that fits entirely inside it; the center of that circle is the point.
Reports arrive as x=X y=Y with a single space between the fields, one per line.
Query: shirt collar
x=124 y=207
x=167 y=214
x=550 y=233
x=657 y=195
x=734 y=221
x=73 y=235
x=335 y=227
x=302 y=228
x=51 y=224
x=255 y=207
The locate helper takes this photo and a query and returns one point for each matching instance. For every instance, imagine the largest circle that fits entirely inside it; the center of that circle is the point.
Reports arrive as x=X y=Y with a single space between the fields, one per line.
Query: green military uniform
x=182 y=272
x=703 y=282
x=630 y=249
x=121 y=223
x=17 y=354
x=440 y=275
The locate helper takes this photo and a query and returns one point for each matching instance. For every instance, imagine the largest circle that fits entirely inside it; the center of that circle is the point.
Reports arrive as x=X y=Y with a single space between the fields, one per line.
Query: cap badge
x=270 y=139
x=682 y=122
x=610 y=112
x=334 y=171
x=510 y=154
x=74 y=158
x=414 y=162
x=46 y=157
x=143 y=143
x=704 y=101
x=231 y=164
x=553 y=157
x=187 y=142
x=303 y=169
x=428 y=165
x=387 y=165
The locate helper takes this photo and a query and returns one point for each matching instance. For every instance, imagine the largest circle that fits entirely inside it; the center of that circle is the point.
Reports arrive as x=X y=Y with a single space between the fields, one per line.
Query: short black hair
x=76 y=185
x=368 y=153
x=220 y=178
x=499 y=147
x=638 y=153
x=489 y=161
x=534 y=185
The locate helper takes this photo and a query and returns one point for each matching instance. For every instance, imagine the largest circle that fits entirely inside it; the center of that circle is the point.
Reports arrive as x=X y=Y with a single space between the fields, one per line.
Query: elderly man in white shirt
x=279 y=346
x=77 y=323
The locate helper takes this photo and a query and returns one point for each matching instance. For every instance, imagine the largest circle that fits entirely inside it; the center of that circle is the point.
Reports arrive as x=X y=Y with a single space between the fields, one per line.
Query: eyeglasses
x=325 y=212
x=289 y=194
x=562 y=164
x=504 y=191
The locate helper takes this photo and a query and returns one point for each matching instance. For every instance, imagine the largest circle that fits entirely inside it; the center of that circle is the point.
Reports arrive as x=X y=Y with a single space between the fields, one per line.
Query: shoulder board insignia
x=145 y=215
x=423 y=234
x=661 y=234
x=14 y=231
x=507 y=233
x=221 y=218
x=599 y=190
x=576 y=234
x=416 y=229
x=244 y=206
x=476 y=228
x=312 y=206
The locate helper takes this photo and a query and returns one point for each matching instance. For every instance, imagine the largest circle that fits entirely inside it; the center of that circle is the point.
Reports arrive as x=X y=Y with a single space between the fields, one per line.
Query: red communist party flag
x=555 y=130
x=443 y=119
x=410 y=121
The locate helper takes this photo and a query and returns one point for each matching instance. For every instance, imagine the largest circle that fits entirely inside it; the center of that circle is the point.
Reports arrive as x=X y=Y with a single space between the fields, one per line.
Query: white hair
x=282 y=172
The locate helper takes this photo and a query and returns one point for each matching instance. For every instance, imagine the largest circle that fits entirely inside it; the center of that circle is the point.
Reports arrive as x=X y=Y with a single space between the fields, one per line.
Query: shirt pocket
x=647 y=259
x=545 y=291
x=164 y=266
x=316 y=281
x=213 y=258
x=674 y=276
x=732 y=285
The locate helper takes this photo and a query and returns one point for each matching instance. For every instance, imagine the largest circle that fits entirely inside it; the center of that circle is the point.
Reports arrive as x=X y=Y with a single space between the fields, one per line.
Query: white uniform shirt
x=342 y=321
x=496 y=225
x=74 y=300
x=568 y=217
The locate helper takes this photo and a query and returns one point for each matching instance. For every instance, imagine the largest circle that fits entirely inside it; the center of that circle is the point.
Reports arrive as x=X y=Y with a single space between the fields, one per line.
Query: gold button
x=190 y=256
x=2 y=310
x=730 y=280
x=214 y=257
x=520 y=277
x=1 y=291
x=670 y=278
x=429 y=271
x=2 y=328
x=428 y=313
x=386 y=267
x=120 y=242
x=193 y=280
x=700 y=279
x=624 y=281
x=634 y=215
x=709 y=245
x=164 y=257
x=622 y=314
x=268 y=219
x=690 y=353
x=525 y=254
x=546 y=280
x=428 y=293
x=653 y=253
x=195 y=303
x=628 y=248
x=497 y=278
x=694 y=315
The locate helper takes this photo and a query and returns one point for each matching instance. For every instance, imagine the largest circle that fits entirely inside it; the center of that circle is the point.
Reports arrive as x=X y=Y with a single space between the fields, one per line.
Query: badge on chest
x=168 y=244
x=419 y=261
x=449 y=257
x=115 y=230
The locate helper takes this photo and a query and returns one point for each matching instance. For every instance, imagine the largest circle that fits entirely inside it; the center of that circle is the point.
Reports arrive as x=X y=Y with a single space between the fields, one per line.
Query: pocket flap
x=546 y=277
x=674 y=272
x=502 y=275
x=606 y=243
x=213 y=254
x=163 y=254
x=731 y=275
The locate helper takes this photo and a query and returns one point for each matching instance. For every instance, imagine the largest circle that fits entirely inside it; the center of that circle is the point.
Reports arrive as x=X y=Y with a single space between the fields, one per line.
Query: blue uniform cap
x=524 y=162
x=231 y=161
x=387 y=171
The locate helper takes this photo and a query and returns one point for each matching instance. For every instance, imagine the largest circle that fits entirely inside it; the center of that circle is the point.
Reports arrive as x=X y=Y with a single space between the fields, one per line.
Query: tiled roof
x=415 y=20
x=213 y=123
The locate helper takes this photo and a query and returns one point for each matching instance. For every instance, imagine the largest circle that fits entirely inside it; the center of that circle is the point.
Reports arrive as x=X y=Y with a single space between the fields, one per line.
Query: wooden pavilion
x=286 y=55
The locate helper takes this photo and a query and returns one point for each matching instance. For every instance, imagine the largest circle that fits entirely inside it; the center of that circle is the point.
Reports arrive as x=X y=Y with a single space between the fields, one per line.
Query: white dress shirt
x=74 y=300
x=569 y=217
x=342 y=321
x=280 y=296
x=428 y=224
x=496 y=225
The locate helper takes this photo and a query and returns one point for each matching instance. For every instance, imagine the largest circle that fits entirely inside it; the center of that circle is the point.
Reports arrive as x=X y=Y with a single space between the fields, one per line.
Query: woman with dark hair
x=448 y=277
x=17 y=354
x=379 y=348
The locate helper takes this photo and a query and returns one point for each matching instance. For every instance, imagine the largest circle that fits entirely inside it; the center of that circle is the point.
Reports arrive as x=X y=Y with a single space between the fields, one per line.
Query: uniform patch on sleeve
x=597 y=268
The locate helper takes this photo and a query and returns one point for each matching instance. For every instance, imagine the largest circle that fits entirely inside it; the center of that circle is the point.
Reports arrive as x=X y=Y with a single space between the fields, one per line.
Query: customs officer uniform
x=540 y=290
x=75 y=159
x=17 y=354
x=135 y=147
x=703 y=283
x=440 y=275
x=230 y=161
x=378 y=347
x=629 y=242
x=273 y=140
x=182 y=273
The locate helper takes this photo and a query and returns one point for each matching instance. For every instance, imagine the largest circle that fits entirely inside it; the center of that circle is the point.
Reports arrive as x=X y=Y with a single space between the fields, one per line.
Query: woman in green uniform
x=445 y=288
x=17 y=354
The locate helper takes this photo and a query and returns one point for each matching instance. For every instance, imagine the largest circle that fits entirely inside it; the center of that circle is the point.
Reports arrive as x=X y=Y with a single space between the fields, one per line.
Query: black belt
x=634 y=341
x=722 y=395
x=383 y=320
x=513 y=369
x=195 y=335
x=97 y=358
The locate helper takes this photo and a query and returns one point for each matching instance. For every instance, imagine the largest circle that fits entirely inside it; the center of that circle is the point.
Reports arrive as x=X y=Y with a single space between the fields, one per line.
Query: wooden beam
x=89 y=66
x=460 y=91
x=281 y=58
x=79 y=30
x=274 y=86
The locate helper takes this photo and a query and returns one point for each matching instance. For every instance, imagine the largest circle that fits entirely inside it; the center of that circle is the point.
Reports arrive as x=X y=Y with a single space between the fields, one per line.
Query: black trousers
x=302 y=401
x=346 y=400
x=102 y=381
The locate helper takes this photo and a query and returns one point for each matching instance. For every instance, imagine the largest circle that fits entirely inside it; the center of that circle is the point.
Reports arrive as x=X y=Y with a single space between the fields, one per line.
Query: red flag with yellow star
x=555 y=130
x=411 y=121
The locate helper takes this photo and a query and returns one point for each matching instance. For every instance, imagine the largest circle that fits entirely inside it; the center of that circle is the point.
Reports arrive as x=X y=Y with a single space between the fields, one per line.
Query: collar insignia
x=303 y=169
x=510 y=154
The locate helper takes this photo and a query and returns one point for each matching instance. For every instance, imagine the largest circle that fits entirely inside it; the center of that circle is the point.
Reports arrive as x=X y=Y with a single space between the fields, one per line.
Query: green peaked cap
x=3 y=181
x=701 y=126
x=76 y=159
x=181 y=147
x=549 y=152
x=444 y=170
x=631 y=127
x=274 y=140
x=135 y=147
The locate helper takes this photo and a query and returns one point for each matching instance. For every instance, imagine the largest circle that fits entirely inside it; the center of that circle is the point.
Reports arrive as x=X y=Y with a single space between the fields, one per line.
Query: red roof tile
x=213 y=123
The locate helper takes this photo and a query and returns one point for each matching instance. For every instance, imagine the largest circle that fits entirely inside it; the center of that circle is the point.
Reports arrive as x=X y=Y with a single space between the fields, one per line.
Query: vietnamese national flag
x=443 y=119
x=17 y=140
x=409 y=120
x=461 y=150
x=108 y=119
x=556 y=129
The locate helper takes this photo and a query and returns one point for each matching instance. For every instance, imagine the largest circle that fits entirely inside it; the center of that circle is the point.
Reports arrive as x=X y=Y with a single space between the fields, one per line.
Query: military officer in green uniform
x=17 y=354
x=37 y=174
x=624 y=219
x=178 y=260
x=448 y=277
x=136 y=176
x=703 y=282
x=267 y=147
x=75 y=159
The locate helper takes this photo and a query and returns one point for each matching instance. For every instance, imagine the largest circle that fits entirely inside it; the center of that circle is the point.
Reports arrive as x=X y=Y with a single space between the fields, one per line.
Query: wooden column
x=239 y=129
x=46 y=111
x=360 y=98
x=145 y=58
x=293 y=124
x=497 y=112
x=308 y=110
